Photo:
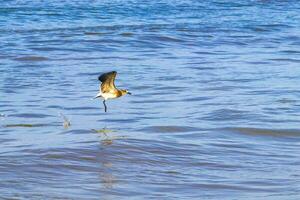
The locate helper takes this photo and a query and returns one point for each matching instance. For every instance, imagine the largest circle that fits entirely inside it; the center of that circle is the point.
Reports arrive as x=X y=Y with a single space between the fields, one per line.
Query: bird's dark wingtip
x=100 y=77
x=103 y=76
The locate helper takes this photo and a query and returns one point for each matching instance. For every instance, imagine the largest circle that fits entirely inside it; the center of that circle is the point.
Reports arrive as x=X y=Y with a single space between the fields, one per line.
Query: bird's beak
x=129 y=93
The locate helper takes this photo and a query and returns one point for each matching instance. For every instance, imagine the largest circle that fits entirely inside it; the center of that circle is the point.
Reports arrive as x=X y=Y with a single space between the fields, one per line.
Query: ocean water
x=214 y=114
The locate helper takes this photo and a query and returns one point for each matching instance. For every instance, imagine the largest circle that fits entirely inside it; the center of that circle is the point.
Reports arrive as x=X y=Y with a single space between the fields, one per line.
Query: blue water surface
x=214 y=112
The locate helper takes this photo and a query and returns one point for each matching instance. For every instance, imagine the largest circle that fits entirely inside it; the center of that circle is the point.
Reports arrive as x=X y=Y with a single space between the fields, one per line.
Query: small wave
x=30 y=115
x=267 y=132
x=206 y=53
x=229 y=115
x=169 y=39
x=31 y=58
x=290 y=52
x=169 y=129
x=94 y=33
x=161 y=38
x=81 y=108
x=285 y=60
x=127 y=34
x=23 y=125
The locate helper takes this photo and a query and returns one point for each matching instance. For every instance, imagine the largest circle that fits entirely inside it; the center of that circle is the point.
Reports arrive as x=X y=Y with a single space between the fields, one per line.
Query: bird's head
x=125 y=92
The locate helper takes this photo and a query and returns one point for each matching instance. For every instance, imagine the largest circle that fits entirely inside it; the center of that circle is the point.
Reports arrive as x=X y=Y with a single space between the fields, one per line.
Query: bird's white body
x=106 y=95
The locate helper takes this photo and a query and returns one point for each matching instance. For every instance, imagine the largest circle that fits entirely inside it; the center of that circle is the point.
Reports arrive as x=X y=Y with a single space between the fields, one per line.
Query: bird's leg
x=105 y=108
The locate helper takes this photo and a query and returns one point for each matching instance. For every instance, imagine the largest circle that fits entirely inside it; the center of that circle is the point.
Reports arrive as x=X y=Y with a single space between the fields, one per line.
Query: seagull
x=108 y=89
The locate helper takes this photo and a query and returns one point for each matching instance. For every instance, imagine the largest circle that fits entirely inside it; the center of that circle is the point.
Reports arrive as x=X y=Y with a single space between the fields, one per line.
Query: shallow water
x=214 y=112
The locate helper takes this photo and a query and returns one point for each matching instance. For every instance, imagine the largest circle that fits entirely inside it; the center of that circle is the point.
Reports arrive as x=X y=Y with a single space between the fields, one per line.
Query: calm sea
x=215 y=110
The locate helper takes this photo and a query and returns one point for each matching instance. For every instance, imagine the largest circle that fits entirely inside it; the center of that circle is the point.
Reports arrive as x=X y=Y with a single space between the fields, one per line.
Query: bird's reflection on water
x=107 y=177
x=106 y=135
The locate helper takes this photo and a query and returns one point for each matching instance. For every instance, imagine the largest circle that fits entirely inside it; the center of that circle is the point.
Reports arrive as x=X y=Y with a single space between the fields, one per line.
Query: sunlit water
x=214 y=112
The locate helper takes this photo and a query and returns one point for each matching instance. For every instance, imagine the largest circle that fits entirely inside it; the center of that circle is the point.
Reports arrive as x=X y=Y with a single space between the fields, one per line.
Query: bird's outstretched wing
x=108 y=82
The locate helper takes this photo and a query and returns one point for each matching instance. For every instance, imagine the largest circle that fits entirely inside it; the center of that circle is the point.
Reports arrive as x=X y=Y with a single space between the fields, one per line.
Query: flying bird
x=108 y=89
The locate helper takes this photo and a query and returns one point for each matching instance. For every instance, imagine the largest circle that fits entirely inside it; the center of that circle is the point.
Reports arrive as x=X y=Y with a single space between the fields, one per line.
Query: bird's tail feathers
x=98 y=95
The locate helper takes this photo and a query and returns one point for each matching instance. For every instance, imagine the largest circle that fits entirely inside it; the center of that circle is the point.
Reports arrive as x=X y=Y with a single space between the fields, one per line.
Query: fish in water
x=108 y=89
